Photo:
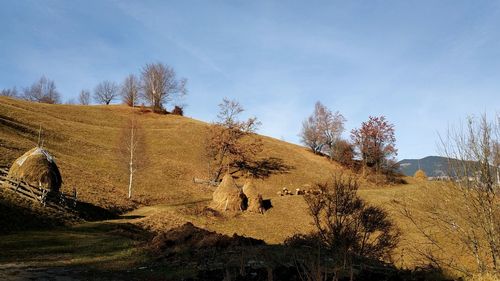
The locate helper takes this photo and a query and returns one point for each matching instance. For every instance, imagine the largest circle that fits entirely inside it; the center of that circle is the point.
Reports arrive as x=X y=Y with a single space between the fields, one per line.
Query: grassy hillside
x=85 y=143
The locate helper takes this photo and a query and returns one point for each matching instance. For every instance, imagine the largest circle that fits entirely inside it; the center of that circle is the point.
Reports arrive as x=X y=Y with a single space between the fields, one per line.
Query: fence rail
x=207 y=182
x=40 y=194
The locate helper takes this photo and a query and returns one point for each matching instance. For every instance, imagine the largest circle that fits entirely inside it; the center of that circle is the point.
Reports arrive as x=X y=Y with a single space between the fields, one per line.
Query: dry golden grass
x=85 y=142
x=289 y=216
x=484 y=277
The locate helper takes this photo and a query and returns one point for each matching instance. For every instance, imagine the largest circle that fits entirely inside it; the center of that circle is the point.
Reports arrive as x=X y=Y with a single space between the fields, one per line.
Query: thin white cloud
x=150 y=19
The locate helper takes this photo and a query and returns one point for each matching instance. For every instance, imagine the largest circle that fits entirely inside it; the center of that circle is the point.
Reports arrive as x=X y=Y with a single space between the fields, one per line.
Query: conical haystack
x=254 y=197
x=37 y=167
x=227 y=196
x=420 y=174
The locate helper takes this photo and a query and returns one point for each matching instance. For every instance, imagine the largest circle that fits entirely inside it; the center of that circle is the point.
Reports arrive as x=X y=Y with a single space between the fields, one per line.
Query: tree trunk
x=130 y=181
x=131 y=163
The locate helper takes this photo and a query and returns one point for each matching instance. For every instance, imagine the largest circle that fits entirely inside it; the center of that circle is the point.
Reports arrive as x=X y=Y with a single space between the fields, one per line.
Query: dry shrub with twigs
x=347 y=223
x=460 y=219
x=178 y=110
x=347 y=228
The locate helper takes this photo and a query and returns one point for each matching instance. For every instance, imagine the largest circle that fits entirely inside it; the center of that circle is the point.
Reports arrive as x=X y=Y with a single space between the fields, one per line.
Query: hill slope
x=85 y=143
x=433 y=166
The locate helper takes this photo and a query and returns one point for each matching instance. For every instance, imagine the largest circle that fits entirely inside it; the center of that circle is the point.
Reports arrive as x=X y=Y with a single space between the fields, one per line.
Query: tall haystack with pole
x=254 y=197
x=228 y=196
x=37 y=167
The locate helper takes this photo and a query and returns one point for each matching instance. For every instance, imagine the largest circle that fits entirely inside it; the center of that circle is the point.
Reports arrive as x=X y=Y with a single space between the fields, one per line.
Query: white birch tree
x=132 y=151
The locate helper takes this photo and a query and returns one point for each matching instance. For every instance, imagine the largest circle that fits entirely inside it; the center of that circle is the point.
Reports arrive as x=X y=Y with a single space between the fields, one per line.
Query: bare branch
x=105 y=92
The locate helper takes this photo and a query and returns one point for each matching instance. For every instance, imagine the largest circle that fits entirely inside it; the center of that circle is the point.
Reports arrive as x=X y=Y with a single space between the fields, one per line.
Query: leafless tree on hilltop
x=84 y=97
x=130 y=90
x=160 y=85
x=44 y=91
x=105 y=92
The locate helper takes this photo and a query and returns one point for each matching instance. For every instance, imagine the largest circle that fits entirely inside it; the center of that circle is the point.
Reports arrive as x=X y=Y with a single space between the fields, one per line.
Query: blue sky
x=423 y=64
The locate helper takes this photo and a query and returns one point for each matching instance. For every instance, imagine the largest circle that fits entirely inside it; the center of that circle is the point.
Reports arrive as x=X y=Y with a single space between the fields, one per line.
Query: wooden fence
x=40 y=194
x=207 y=182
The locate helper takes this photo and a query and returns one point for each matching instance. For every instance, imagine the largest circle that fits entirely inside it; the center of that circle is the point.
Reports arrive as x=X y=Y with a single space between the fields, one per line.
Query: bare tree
x=105 y=92
x=130 y=90
x=466 y=211
x=322 y=130
x=9 y=93
x=311 y=136
x=84 y=97
x=44 y=91
x=496 y=157
x=132 y=148
x=227 y=146
x=160 y=85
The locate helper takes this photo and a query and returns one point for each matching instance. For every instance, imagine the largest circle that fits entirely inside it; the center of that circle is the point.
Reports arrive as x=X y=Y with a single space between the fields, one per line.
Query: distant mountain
x=433 y=166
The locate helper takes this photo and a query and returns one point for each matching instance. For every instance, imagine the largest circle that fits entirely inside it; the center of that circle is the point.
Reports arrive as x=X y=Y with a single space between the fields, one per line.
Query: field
x=120 y=246
x=85 y=143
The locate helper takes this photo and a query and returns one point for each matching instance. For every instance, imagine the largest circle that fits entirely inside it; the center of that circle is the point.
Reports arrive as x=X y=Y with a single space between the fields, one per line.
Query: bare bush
x=348 y=230
x=348 y=225
x=178 y=110
x=464 y=212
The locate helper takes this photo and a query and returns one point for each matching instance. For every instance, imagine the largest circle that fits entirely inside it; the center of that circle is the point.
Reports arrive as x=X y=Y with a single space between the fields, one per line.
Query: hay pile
x=37 y=167
x=253 y=196
x=420 y=174
x=227 y=196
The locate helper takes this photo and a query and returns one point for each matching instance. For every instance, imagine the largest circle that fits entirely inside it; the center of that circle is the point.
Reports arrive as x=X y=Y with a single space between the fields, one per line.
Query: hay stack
x=420 y=175
x=37 y=167
x=227 y=196
x=254 y=197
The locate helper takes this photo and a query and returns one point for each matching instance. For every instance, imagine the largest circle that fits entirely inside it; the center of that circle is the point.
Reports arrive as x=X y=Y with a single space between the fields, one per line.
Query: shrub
x=347 y=226
x=343 y=152
x=178 y=111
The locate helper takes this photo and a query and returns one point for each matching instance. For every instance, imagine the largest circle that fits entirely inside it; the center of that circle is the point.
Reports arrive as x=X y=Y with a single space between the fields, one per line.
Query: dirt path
x=79 y=251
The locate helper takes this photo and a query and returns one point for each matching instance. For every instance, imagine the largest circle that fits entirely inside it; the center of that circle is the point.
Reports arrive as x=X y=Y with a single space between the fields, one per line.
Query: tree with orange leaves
x=375 y=142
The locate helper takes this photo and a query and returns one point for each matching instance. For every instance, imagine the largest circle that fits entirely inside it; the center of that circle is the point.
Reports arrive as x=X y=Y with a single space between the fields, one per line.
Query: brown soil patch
x=191 y=238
